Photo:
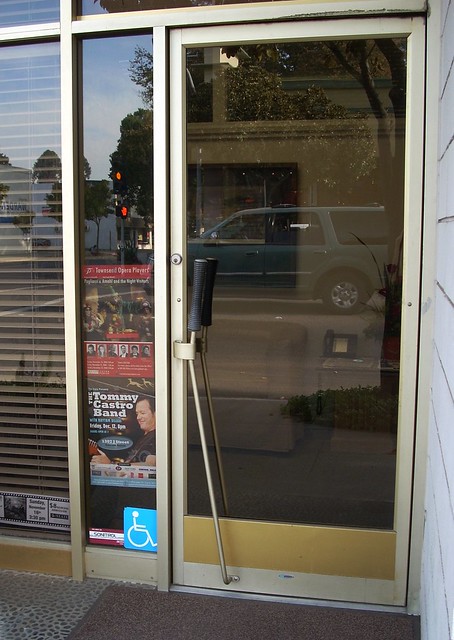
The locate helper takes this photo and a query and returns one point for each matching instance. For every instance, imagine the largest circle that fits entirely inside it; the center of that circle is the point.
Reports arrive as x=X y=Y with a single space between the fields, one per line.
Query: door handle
x=186 y=351
x=252 y=253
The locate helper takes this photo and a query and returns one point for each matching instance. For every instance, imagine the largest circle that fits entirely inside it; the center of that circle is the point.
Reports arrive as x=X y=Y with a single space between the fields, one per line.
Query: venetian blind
x=20 y=12
x=33 y=438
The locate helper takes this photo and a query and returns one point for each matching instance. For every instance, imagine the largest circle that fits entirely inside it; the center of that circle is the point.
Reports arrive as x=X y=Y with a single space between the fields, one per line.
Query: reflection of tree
x=47 y=169
x=24 y=222
x=98 y=199
x=4 y=188
x=328 y=133
x=256 y=93
x=271 y=98
x=21 y=220
x=141 y=70
x=292 y=82
x=134 y=154
x=362 y=59
x=54 y=202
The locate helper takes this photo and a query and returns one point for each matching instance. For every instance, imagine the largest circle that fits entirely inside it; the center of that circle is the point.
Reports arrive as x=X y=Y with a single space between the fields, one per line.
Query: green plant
x=392 y=294
x=314 y=408
x=298 y=407
x=356 y=408
x=387 y=310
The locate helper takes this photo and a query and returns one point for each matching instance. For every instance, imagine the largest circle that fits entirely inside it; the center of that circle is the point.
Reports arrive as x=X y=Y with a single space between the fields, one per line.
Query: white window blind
x=33 y=438
x=20 y=12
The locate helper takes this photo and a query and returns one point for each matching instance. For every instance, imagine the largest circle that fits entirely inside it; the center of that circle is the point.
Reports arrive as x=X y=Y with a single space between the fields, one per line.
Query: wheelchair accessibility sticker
x=140 y=527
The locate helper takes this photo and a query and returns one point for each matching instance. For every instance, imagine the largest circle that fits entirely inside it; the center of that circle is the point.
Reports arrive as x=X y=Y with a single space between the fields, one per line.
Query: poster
x=29 y=510
x=122 y=439
x=117 y=308
x=118 y=325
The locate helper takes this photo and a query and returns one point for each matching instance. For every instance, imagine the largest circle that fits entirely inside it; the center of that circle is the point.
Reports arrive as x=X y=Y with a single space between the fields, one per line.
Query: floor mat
x=125 y=612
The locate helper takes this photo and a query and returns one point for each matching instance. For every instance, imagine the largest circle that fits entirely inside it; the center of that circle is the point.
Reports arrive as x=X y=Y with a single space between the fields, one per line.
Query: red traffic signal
x=119 y=181
x=122 y=210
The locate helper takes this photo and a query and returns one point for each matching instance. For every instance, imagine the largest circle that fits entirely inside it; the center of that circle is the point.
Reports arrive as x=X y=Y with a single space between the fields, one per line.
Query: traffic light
x=119 y=181
x=122 y=210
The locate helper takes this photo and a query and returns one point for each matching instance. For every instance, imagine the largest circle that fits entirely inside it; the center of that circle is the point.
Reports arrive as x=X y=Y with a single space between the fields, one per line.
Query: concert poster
x=118 y=351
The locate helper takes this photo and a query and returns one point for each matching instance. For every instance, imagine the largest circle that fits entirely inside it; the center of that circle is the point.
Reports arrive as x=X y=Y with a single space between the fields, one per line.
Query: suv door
x=295 y=250
x=239 y=246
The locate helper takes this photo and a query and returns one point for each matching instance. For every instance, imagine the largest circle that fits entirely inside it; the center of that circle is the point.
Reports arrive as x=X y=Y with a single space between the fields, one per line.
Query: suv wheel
x=344 y=293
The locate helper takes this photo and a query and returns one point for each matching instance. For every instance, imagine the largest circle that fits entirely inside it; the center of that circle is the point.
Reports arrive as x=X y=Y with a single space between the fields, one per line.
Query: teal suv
x=335 y=254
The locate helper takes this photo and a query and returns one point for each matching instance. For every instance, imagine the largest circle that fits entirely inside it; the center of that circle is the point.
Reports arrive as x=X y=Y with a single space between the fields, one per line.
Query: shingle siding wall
x=437 y=597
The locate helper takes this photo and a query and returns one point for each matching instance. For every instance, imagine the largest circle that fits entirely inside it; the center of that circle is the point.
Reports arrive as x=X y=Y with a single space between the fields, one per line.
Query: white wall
x=437 y=597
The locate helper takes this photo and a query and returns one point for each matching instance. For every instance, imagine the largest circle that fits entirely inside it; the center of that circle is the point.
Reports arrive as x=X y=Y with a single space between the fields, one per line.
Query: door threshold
x=334 y=604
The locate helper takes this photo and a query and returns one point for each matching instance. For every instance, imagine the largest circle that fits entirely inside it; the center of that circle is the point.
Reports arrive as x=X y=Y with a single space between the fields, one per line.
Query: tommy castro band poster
x=122 y=440
x=118 y=322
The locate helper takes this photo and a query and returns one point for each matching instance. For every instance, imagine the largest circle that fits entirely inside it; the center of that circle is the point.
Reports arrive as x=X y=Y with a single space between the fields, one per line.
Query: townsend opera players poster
x=119 y=368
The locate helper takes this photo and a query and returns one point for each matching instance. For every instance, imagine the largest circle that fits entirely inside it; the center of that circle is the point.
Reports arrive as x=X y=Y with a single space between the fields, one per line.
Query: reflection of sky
x=30 y=99
x=90 y=7
x=20 y=12
x=108 y=96
x=29 y=102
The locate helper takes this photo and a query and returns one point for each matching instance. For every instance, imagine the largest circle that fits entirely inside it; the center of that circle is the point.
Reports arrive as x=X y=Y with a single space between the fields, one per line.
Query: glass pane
x=117 y=307
x=21 y=12
x=295 y=159
x=33 y=438
x=94 y=7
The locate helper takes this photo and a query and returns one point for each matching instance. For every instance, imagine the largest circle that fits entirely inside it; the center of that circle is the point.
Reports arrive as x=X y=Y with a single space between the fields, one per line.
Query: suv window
x=244 y=227
x=370 y=227
x=296 y=227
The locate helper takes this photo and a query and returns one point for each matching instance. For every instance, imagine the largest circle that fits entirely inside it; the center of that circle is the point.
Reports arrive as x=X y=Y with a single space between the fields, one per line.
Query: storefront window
x=33 y=438
x=117 y=307
x=21 y=12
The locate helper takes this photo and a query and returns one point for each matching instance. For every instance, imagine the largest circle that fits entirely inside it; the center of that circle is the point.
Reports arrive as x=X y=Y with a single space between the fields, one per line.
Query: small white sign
x=28 y=510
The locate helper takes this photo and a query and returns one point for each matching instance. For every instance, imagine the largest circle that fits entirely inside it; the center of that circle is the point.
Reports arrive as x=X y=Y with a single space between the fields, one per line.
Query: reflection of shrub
x=299 y=407
x=128 y=255
x=357 y=408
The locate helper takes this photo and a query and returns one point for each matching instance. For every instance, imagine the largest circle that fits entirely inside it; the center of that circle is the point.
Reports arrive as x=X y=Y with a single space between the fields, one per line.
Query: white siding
x=437 y=597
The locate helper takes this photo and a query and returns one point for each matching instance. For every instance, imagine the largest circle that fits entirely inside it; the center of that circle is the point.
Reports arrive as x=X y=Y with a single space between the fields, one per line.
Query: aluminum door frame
x=385 y=592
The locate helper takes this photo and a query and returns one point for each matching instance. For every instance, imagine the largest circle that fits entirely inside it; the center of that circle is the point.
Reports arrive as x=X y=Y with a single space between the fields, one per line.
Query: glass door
x=296 y=163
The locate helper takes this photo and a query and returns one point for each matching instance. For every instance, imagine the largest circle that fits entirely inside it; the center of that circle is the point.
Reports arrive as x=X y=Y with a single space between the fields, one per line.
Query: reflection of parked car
x=41 y=242
x=324 y=252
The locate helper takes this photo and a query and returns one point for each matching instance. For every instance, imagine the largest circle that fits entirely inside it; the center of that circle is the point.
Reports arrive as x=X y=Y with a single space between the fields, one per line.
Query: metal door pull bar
x=187 y=351
x=206 y=321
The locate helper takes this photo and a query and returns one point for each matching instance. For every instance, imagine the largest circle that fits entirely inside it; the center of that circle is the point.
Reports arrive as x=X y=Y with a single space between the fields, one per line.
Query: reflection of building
x=307 y=141
x=26 y=209
x=107 y=233
x=17 y=196
x=313 y=146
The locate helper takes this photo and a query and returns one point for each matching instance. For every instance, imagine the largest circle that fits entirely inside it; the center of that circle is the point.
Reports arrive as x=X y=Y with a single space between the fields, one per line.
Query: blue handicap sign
x=140 y=529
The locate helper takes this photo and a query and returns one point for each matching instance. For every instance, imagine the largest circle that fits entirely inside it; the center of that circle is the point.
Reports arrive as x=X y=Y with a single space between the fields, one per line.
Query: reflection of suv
x=330 y=253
